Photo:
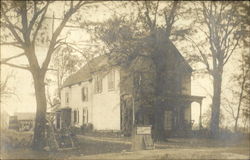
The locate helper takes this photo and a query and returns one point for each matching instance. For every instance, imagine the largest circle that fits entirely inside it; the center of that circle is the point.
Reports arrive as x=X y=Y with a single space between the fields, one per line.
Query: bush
x=87 y=127
x=11 y=139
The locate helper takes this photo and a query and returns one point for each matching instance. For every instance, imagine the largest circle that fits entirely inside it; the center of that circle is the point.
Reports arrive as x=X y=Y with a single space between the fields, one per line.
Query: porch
x=175 y=116
x=178 y=115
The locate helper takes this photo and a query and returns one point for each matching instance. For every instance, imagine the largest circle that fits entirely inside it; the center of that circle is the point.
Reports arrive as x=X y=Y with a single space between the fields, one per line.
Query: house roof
x=84 y=74
x=185 y=63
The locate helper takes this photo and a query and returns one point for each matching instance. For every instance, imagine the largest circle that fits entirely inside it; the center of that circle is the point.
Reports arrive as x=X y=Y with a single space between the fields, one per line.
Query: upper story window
x=98 y=84
x=111 y=80
x=67 y=98
x=84 y=94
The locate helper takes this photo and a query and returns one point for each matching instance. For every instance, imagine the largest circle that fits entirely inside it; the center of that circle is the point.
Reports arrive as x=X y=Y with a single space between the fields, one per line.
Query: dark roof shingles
x=84 y=74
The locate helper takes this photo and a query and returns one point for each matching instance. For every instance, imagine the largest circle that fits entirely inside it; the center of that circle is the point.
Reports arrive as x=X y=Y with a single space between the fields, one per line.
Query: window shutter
x=77 y=116
x=83 y=96
x=66 y=97
x=86 y=94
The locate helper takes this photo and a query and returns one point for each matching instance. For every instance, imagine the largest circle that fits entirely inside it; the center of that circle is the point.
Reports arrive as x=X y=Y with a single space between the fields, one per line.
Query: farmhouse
x=104 y=95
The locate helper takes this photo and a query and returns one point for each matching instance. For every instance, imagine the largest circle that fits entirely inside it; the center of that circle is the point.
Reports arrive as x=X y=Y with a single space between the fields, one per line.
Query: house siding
x=103 y=108
x=106 y=106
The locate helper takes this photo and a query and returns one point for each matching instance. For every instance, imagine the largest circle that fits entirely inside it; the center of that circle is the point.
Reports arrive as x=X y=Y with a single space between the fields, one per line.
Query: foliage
x=87 y=127
x=143 y=55
x=246 y=88
x=11 y=139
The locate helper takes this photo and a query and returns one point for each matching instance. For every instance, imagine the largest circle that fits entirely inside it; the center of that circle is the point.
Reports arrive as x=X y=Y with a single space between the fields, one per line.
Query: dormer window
x=84 y=94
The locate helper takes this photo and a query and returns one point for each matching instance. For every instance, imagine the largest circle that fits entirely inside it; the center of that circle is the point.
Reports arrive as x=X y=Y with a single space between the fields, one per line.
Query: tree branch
x=171 y=18
x=228 y=55
x=12 y=27
x=13 y=57
x=204 y=58
x=37 y=14
x=15 y=44
x=16 y=66
x=39 y=25
x=148 y=17
x=57 y=32
x=15 y=27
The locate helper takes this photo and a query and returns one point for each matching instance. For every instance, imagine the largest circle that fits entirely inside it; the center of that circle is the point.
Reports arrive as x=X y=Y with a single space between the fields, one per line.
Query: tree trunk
x=158 y=129
x=160 y=82
x=239 y=104
x=40 y=121
x=216 y=101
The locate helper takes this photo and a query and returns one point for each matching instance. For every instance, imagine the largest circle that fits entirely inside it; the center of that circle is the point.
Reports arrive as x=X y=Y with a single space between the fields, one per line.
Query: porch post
x=200 y=120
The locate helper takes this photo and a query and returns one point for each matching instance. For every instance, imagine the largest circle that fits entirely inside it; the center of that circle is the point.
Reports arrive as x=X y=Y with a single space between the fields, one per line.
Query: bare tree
x=24 y=21
x=149 y=13
x=243 y=79
x=221 y=24
x=238 y=109
x=5 y=90
x=64 y=63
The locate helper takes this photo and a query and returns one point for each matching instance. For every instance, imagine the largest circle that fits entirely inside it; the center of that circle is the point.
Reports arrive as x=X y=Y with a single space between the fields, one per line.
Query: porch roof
x=183 y=97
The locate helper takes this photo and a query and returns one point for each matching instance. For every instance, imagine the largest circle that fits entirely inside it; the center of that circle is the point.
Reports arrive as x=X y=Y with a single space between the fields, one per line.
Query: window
x=67 y=98
x=76 y=116
x=111 y=80
x=84 y=94
x=85 y=116
x=98 y=84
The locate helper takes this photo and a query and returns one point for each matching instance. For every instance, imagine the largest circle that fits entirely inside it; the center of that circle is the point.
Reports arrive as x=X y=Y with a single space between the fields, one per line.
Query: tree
x=5 y=90
x=24 y=22
x=238 y=107
x=64 y=63
x=244 y=92
x=243 y=80
x=222 y=26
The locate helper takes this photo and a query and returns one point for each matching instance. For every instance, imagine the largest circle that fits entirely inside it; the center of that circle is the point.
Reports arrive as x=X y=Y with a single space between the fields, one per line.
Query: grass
x=16 y=146
x=86 y=147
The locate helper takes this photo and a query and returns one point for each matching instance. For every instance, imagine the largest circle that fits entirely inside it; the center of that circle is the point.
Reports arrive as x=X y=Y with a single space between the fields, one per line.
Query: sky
x=22 y=82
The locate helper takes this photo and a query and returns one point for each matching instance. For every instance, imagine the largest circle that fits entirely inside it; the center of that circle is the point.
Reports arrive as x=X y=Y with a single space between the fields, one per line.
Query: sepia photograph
x=141 y=80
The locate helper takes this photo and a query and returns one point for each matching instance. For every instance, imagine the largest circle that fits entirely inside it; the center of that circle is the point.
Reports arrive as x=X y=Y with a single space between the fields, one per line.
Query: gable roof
x=185 y=63
x=84 y=74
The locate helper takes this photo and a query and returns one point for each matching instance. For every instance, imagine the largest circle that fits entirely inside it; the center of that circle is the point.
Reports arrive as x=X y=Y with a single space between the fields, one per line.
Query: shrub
x=87 y=127
x=11 y=139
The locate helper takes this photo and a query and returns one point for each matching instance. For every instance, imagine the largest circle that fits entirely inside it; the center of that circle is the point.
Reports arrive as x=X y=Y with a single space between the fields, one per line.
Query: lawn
x=108 y=147
x=86 y=147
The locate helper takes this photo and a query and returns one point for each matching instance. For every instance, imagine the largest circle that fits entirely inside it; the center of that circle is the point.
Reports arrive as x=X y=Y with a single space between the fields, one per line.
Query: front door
x=168 y=120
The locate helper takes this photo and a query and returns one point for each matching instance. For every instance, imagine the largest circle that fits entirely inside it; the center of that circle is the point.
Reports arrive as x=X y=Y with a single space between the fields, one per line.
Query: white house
x=96 y=94
x=93 y=97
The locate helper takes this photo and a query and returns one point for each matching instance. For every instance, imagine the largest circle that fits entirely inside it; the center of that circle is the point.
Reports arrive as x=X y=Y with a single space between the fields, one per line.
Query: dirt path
x=207 y=153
